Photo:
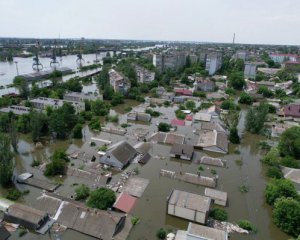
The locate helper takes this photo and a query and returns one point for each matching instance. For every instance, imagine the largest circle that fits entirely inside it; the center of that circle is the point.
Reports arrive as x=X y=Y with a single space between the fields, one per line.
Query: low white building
x=189 y=206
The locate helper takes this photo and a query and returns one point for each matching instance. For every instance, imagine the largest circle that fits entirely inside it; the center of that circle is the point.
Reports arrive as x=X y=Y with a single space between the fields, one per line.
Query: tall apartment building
x=118 y=82
x=250 y=70
x=171 y=61
x=213 y=63
x=280 y=58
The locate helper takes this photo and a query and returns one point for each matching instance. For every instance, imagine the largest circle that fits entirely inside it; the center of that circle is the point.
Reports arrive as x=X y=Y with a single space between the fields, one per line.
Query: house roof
x=123 y=152
x=213 y=138
x=292 y=110
x=200 y=116
x=4 y=234
x=215 y=194
x=182 y=149
x=26 y=213
x=177 y=122
x=212 y=126
x=185 y=92
x=190 y=201
x=206 y=232
x=125 y=202
x=189 y=118
x=222 y=141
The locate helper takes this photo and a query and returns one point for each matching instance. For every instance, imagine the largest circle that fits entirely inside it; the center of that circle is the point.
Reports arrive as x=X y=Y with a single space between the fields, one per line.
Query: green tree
x=21 y=84
x=82 y=192
x=266 y=92
x=58 y=164
x=278 y=188
x=117 y=99
x=77 y=131
x=99 y=108
x=6 y=161
x=38 y=125
x=191 y=105
x=289 y=143
x=164 y=127
x=108 y=92
x=231 y=120
x=102 y=198
x=256 y=118
x=95 y=124
x=286 y=215
x=245 y=99
x=161 y=233
x=272 y=158
x=236 y=80
x=219 y=214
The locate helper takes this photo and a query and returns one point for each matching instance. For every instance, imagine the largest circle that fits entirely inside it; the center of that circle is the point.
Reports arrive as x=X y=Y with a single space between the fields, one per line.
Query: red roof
x=177 y=122
x=189 y=118
x=184 y=92
x=292 y=110
x=125 y=202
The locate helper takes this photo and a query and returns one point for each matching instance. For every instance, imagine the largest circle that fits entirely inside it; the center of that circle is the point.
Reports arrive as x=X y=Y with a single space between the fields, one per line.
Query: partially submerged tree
x=6 y=161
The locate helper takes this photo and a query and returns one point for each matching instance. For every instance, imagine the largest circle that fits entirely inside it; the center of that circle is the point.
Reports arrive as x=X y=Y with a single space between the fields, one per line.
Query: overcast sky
x=253 y=21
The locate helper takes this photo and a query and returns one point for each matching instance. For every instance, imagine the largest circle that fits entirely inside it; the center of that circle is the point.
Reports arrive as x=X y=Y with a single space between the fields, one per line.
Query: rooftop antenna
x=80 y=59
x=37 y=65
x=54 y=63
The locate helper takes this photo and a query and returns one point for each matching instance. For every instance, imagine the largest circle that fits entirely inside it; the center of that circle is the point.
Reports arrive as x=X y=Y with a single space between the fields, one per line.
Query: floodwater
x=151 y=207
x=8 y=70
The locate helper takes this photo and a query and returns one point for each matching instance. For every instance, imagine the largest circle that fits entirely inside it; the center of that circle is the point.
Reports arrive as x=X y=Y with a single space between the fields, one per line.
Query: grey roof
x=215 y=194
x=182 y=149
x=26 y=213
x=190 y=201
x=212 y=126
x=4 y=234
x=123 y=152
x=222 y=141
x=206 y=232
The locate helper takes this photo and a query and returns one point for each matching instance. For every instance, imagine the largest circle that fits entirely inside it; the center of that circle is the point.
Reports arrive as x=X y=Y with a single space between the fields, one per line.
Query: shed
x=182 y=151
x=26 y=216
x=199 y=232
x=204 y=117
x=119 y=155
x=189 y=206
x=217 y=196
x=125 y=202
x=4 y=234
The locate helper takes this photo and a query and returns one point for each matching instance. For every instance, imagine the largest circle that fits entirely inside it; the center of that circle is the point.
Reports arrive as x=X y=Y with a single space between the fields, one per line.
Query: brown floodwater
x=151 y=207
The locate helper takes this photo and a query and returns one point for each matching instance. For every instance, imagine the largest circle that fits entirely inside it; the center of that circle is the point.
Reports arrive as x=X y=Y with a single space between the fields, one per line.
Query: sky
x=253 y=21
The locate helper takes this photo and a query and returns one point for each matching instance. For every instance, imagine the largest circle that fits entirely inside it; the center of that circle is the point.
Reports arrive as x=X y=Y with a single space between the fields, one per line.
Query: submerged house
x=189 y=206
x=213 y=141
x=199 y=232
x=119 y=155
x=182 y=151
x=26 y=216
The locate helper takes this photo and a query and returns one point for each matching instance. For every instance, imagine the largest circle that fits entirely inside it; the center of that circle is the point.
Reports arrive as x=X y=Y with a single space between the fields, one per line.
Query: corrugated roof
x=123 y=152
x=182 y=149
x=125 y=202
x=206 y=232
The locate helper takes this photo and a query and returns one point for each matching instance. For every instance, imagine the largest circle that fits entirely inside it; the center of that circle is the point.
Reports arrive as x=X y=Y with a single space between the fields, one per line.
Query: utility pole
x=17 y=68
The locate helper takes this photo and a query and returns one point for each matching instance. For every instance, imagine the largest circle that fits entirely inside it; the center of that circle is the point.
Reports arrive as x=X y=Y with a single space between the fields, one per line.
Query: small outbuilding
x=218 y=197
x=125 y=202
x=26 y=216
x=189 y=206
x=182 y=151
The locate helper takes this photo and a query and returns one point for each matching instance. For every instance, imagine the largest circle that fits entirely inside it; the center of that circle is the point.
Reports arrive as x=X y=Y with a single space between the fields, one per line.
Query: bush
x=58 y=165
x=272 y=158
x=77 y=131
x=229 y=105
x=286 y=215
x=219 y=214
x=245 y=99
x=95 y=124
x=112 y=118
x=35 y=163
x=22 y=232
x=164 y=127
x=180 y=114
x=289 y=143
x=13 y=194
x=230 y=91
x=102 y=198
x=290 y=162
x=161 y=233
x=278 y=188
x=103 y=148
x=274 y=172
x=82 y=192
x=234 y=136
x=135 y=220
x=245 y=224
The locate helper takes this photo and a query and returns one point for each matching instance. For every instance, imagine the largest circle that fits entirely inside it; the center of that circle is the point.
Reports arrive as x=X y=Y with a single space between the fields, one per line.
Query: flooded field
x=151 y=207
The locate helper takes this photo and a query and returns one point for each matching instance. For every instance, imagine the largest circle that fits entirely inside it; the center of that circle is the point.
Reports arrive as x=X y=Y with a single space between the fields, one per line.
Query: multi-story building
x=250 y=70
x=240 y=55
x=144 y=75
x=81 y=97
x=118 y=82
x=213 y=62
x=171 y=61
x=280 y=58
x=193 y=58
x=42 y=103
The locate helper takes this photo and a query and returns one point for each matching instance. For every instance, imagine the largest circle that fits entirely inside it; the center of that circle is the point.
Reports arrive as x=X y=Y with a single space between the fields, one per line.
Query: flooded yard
x=243 y=168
